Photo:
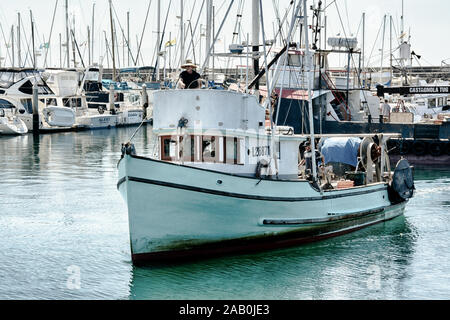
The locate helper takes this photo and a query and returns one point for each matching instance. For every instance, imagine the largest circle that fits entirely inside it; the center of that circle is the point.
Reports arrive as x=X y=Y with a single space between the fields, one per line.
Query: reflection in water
x=338 y=268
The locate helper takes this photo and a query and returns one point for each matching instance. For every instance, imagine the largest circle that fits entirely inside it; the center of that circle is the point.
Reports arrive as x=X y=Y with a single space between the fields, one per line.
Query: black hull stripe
x=245 y=196
x=335 y=217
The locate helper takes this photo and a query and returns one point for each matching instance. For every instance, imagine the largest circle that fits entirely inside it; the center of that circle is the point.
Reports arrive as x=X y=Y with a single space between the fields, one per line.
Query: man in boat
x=190 y=79
x=386 y=111
x=307 y=158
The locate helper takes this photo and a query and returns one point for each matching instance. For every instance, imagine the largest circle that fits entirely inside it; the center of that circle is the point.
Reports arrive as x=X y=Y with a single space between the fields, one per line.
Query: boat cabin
x=226 y=131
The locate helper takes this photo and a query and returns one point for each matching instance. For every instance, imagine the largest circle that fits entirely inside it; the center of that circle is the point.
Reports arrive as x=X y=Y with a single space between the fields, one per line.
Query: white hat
x=189 y=64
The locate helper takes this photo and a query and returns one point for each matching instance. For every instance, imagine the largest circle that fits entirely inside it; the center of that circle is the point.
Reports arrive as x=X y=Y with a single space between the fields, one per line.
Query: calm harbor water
x=64 y=235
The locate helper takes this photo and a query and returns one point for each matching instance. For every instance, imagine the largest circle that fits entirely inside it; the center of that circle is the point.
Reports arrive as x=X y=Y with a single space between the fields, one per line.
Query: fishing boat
x=226 y=179
x=222 y=183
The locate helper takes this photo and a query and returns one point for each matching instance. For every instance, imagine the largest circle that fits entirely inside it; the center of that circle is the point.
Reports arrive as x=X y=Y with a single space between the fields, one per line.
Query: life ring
x=101 y=110
x=419 y=148
x=404 y=146
x=436 y=148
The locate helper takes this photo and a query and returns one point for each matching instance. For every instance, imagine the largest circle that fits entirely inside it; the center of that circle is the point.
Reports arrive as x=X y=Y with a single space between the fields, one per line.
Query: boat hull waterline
x=178 y=212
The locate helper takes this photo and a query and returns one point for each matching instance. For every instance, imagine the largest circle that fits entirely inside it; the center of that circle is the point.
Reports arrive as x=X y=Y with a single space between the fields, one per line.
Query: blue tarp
x=342 y=150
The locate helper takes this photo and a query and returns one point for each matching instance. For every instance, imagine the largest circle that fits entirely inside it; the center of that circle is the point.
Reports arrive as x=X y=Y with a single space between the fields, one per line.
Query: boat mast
x=158 y=39
x=209 y=6
x=12 y=47
x=402 y=23
x=182 y=32
x=128 y=37
x=310 y=100
x=390 y=49
x=89 y=44
x=93 y=31
x=382 y=49
x=19 y=53
x=60 y=52
x=67 y=34
x=32 y=39
x=363 y=46
x=255 y=38
x=112 y=41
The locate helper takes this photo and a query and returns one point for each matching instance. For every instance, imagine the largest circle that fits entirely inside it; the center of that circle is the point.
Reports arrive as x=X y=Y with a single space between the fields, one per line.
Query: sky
x=426 y=22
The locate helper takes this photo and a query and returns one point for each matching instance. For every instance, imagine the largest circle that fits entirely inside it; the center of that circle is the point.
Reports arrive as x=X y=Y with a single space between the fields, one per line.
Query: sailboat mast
x=93 y=31
x=390 y=48
x=60 y=52
x=128 y=37
x=32 y=39
x=158 y=39
x=89 y=44
x=67 y=34
x=382 y=49
x=12 y=47
x=19 y=53
x=112 y=41
x=182 y=32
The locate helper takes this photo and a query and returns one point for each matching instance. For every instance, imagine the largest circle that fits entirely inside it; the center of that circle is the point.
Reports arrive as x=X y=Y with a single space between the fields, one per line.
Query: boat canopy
x=9 y=76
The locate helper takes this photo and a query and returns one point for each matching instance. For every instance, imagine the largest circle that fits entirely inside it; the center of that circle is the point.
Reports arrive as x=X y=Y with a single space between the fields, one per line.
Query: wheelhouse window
x=168 y=149
x=203 y=149
x=232 y=150
x=51 y=102
x=66 y=102
x=209 y=147
x=295 y=60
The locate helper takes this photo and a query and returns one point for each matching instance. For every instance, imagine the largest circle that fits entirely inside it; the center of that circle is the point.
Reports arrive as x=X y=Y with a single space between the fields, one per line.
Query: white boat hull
x=130 y=117
x=13 y=126
x=177 y=211
x=97 y=121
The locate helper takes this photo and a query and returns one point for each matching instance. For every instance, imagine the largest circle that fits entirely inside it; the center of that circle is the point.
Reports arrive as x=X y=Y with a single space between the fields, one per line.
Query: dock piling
x=35 y=103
